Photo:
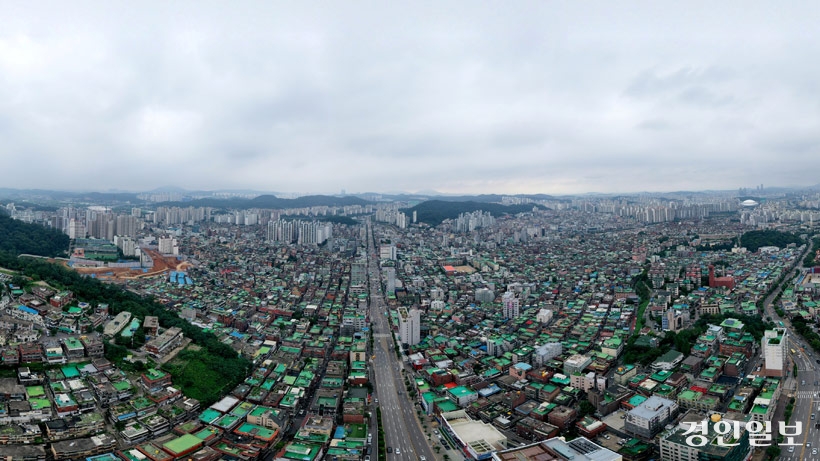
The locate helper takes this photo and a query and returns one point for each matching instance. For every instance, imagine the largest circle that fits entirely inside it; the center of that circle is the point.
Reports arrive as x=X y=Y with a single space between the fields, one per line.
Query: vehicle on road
x=791 y=449
x=398 y=452
x=390 y=449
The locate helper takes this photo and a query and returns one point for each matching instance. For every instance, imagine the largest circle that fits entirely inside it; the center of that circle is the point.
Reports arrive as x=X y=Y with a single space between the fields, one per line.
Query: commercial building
x=673 y=445
x=475 y=439
x=774 y=352
x=578 y=449
x=409 y=326
x=648 y=419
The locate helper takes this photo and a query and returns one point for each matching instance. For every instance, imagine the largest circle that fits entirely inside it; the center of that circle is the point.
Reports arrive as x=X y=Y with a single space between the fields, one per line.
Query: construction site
x=162 y=265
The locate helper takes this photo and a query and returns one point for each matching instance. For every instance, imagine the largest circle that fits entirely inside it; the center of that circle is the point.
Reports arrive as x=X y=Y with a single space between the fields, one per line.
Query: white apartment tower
x=774 y=352
x=409 y=326
x=510 y=305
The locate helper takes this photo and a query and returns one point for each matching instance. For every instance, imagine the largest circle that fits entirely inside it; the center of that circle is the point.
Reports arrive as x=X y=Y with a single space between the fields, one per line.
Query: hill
x=755 y=239
x=18 y=237
x=272 y=202
x=434 y=212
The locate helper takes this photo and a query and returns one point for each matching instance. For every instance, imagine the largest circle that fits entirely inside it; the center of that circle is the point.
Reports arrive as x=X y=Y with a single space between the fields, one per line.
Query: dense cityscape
x=359 y=329
x=409 y=231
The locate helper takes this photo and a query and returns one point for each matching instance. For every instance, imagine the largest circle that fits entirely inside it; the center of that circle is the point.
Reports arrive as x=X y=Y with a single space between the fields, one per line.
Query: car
x=435 y=431
x=791 y=449
x=422 y=458
x=367 y=458
x=390 y=449
x=377 y=400
x=398 y=452
x=812 y=416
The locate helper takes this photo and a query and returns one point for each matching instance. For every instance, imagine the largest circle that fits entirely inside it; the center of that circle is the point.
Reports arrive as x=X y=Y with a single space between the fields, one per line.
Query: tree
x=773 y=452
x=586 y=408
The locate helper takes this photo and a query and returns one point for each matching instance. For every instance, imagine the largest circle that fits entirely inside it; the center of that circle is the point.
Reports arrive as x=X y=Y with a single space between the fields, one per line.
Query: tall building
x=409 y=326
x=484 y=295
x=76 y=229
x=390 y=275
x=510 y=305
x=126 y=225
x=387 y=251
x=774 y=352
x=168 y=246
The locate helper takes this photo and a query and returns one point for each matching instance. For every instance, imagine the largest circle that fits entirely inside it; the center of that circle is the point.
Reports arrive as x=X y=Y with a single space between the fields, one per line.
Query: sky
x=470 y=97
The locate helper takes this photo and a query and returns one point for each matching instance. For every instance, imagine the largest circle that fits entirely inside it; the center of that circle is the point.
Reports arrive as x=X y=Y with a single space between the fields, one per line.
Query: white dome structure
x=749 y=203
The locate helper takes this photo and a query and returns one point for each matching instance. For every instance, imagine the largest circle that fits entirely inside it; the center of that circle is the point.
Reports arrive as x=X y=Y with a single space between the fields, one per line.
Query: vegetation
x=755 y=239
x=811 y=258
x=683 y=340
x=803 y=329
x=216 y=364
x=18 y=237
x=434 y=212
x=773 y=452
x=717 y=246
x=204 y=375
x=585 y=408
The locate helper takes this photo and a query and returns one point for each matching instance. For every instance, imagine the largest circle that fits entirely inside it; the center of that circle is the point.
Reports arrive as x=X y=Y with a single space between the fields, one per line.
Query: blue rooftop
x=28 y=310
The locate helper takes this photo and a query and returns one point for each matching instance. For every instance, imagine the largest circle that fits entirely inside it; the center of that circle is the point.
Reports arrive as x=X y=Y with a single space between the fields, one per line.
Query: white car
x=398 y=452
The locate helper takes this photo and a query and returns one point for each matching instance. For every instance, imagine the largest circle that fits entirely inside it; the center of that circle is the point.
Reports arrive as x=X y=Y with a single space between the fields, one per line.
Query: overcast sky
x=458 y=97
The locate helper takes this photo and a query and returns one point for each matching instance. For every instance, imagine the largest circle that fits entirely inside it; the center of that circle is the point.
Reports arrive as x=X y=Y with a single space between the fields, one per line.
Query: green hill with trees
x=434 y=212
x=18 y=237
x=755 y=239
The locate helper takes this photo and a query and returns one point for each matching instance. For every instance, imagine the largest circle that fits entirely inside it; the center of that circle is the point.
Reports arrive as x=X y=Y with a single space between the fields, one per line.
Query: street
x=401 y=428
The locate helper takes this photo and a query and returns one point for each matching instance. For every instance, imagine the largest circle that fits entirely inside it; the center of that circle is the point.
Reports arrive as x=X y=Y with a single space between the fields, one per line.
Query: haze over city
x=535 y=97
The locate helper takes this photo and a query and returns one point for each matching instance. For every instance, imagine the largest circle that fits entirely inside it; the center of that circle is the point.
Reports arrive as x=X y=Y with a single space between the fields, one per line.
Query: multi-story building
x=165 y=342
x=673 y=445
x=510 y=305
x=410 y=326
x=649 y=418
x=774 y=352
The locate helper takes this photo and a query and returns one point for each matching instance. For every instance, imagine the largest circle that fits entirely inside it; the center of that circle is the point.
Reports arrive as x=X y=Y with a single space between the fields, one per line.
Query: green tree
x=586 y=408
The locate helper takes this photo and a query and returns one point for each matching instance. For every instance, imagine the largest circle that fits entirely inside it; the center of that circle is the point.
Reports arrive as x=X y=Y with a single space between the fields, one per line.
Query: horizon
x=747 y=192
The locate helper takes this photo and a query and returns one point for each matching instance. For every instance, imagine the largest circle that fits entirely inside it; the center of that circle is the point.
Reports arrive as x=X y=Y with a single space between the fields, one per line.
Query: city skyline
x=549 y=98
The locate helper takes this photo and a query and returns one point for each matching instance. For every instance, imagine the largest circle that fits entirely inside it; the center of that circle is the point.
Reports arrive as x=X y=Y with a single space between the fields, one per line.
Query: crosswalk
x=808 y=394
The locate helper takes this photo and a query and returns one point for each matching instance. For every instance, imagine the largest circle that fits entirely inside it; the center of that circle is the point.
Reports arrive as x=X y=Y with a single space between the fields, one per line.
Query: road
x=401 y=428
x=805 y=385
x=807 y=401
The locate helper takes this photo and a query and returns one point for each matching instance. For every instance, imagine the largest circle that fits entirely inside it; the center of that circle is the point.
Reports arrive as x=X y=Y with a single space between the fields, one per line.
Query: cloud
x=458 y=97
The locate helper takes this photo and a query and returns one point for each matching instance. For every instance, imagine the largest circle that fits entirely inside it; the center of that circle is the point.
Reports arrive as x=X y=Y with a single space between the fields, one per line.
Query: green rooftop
x=182 y=444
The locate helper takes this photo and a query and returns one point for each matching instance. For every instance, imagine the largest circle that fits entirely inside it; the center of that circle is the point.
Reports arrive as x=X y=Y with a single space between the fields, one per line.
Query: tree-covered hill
x=18 y=237
x=434 y=212
x=272 y=202
x=755 y=239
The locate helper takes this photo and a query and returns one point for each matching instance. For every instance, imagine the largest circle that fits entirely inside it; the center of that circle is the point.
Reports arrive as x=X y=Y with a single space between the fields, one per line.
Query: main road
x=806 y=388
x=401 y=428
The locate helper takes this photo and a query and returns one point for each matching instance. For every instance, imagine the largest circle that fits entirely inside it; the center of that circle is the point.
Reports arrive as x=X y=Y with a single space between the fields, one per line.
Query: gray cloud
x=310 y=97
